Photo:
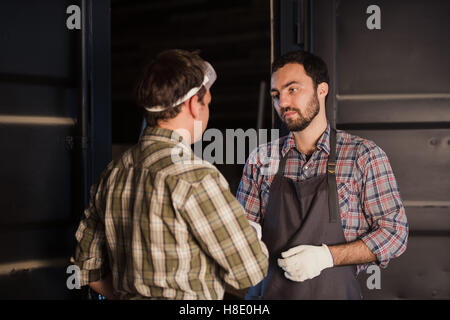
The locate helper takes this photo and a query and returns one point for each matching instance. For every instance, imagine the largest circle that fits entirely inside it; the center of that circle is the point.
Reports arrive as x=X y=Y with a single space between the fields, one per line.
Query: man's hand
x=305 y=262
x=105 y=288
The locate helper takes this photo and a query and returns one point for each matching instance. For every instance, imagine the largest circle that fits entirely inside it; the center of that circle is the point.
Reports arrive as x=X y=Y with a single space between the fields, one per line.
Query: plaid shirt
x=167 y=229
x=369 y=200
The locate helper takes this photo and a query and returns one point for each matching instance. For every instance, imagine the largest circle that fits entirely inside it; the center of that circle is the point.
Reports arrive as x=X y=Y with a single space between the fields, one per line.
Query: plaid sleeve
x=248 y=191
x=383 y=208
x=222 y=230
x=90 y=252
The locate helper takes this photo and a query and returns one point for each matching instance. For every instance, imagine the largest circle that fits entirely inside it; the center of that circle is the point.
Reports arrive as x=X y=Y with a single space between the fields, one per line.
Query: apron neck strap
x=331 y=163
x=333 y=205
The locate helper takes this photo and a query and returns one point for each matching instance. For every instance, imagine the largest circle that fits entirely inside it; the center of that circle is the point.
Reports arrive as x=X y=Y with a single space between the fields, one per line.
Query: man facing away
x=162 y=223
x=328 y=201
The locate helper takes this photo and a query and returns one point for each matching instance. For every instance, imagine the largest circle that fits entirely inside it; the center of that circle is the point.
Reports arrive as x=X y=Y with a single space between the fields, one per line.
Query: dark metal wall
x=40 y=139
x=392 y=86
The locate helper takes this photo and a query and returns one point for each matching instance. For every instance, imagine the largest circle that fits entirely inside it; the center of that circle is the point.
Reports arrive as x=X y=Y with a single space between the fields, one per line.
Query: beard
x=302 y=121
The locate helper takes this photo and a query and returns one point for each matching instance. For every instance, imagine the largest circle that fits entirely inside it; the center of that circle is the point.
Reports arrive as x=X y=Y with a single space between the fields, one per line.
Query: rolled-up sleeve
x=219 y=224
x=383 y=209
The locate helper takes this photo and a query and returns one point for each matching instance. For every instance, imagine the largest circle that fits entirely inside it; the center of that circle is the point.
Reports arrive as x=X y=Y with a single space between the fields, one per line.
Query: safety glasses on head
x=208 y=80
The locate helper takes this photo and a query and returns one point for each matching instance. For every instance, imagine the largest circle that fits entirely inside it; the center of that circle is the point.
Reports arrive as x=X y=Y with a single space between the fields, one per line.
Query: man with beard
x=327 y=201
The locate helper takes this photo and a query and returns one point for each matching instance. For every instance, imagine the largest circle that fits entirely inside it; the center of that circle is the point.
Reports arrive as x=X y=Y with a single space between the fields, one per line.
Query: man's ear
x=322 y=89
x=193 y=106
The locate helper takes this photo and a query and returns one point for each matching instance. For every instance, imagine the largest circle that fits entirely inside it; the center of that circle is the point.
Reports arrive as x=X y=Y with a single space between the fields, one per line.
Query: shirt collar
x=161 y=134
x=324 y=141
x=322 y=144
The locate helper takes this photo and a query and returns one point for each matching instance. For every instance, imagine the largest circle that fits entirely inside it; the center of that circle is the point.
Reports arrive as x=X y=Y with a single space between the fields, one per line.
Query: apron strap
x=333 y=205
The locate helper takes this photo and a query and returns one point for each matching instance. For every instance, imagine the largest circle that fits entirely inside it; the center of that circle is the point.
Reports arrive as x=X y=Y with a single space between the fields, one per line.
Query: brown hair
x=314 y=66
x=168 y=78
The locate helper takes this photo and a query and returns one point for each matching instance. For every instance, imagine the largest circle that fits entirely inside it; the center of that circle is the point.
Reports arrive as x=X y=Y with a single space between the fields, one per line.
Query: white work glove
x=305 y=262
x=257 y=228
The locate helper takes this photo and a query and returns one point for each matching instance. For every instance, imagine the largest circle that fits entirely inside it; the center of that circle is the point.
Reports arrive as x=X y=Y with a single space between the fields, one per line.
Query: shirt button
x=306 y=167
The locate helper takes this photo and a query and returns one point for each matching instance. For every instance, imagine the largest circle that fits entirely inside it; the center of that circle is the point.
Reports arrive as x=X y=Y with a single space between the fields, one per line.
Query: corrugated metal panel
x=392 y=86
x=40 y=175
x=422 y=272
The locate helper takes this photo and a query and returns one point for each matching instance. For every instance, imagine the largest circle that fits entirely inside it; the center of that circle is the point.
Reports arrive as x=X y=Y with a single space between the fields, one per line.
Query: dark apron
x=298 y=214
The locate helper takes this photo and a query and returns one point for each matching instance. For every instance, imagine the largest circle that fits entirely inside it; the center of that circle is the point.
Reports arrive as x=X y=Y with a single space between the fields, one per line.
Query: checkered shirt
x=369 y=200
x=167 y=229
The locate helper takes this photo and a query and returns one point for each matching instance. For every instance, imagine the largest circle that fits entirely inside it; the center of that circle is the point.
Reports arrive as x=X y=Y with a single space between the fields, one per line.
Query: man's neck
x=306 y=140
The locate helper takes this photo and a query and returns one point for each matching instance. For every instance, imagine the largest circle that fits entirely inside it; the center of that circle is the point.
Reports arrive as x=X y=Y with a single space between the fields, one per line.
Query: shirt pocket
x=344 y=195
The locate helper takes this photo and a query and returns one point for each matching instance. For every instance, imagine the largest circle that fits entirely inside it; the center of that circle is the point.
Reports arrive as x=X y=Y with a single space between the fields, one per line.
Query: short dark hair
x=168 y=78
x=314 y=66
